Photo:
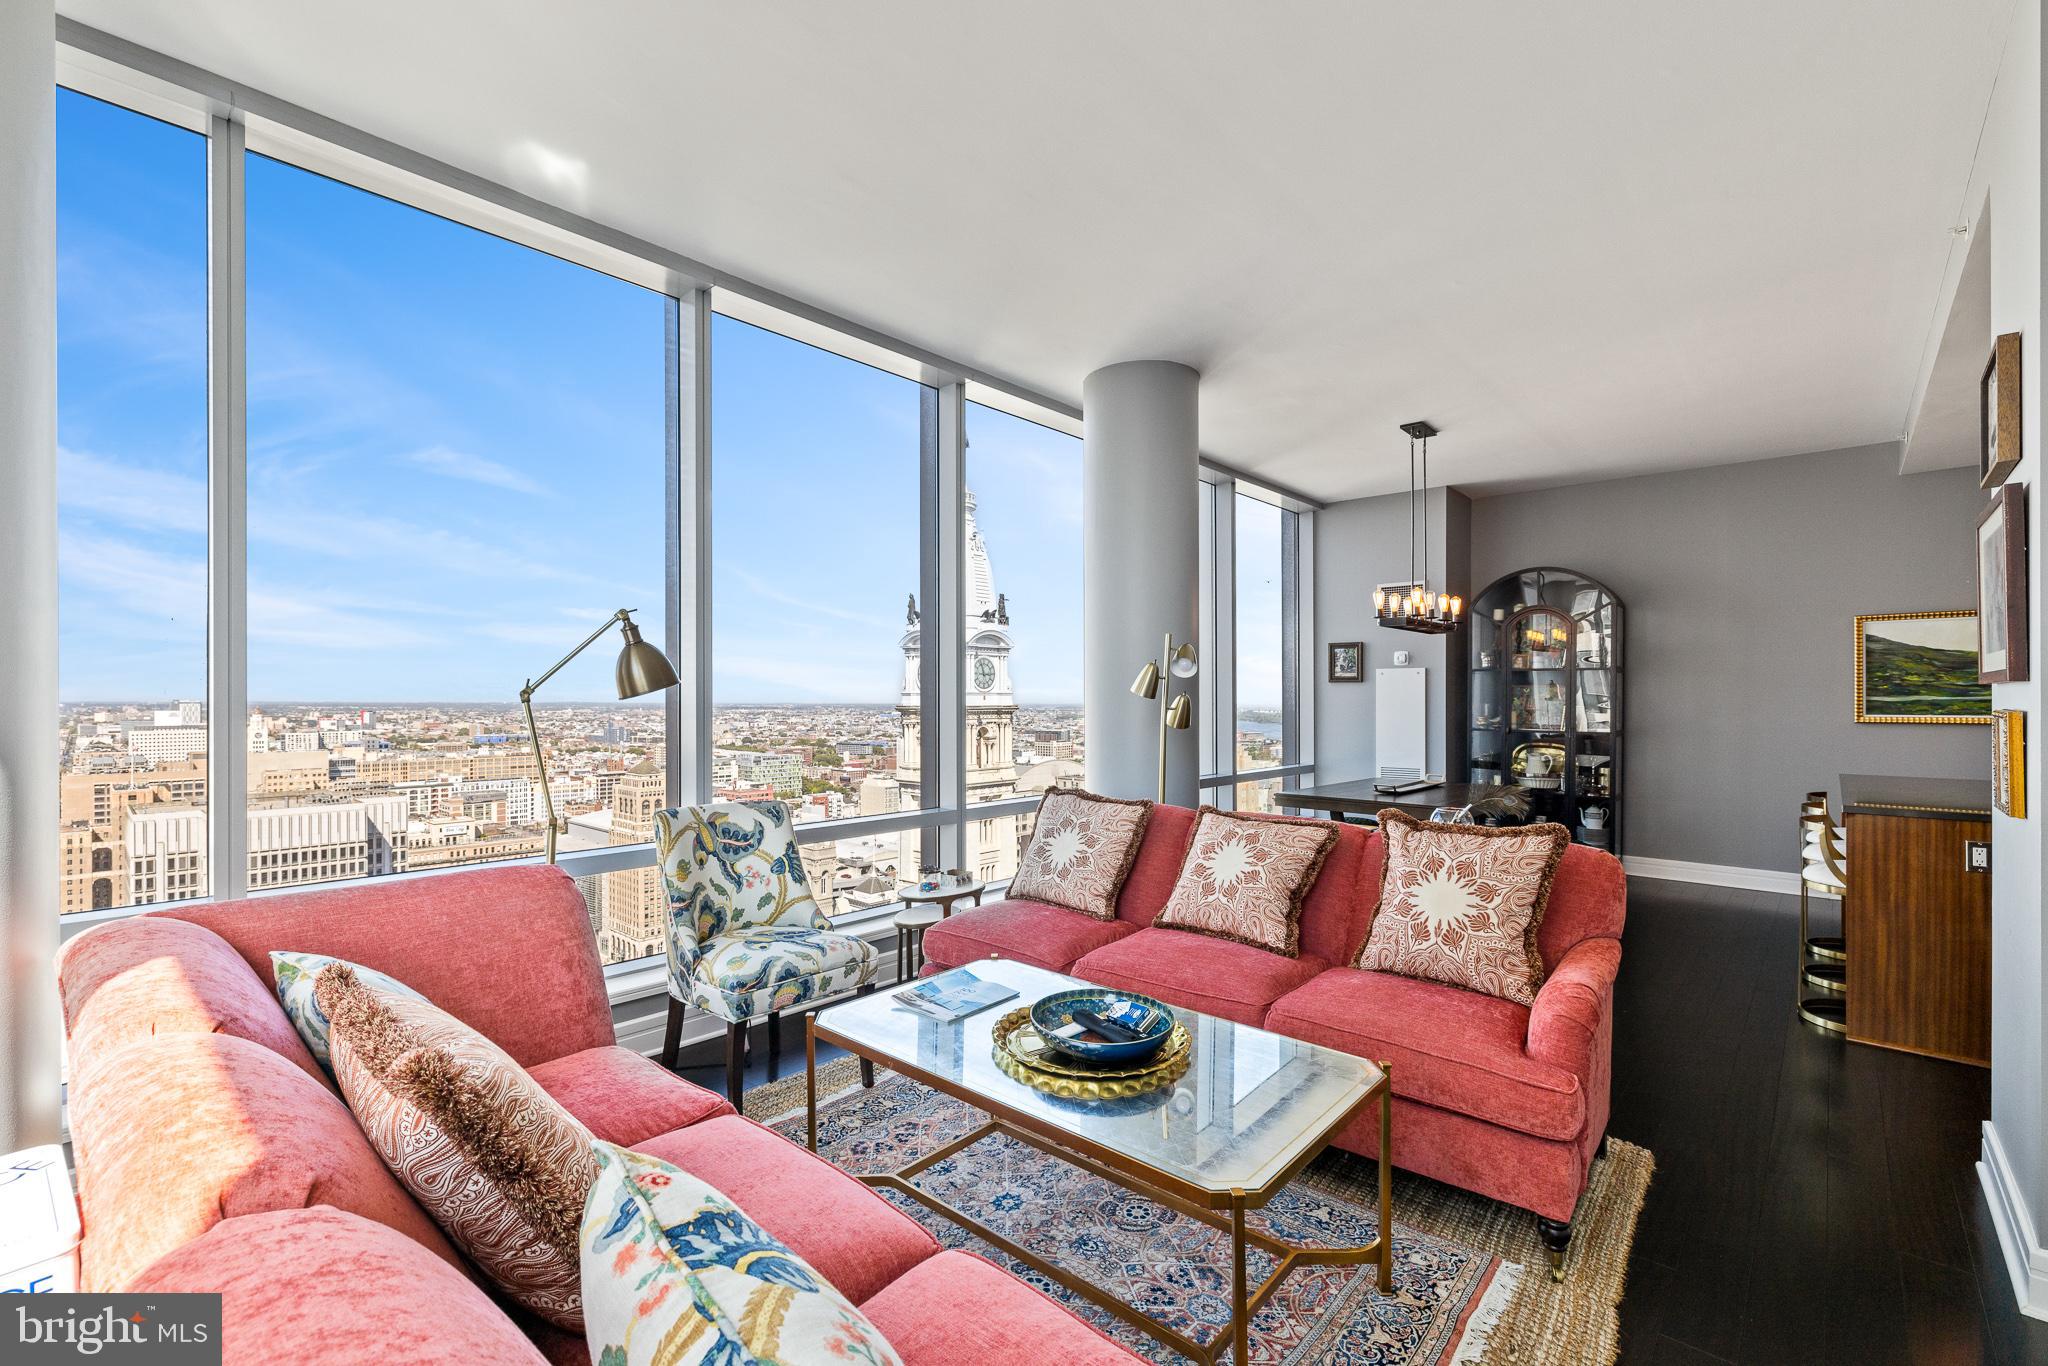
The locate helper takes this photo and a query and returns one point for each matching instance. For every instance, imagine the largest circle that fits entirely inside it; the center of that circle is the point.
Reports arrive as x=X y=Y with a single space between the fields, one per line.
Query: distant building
x=991 y=845
x=162 y=744
x=632 y=908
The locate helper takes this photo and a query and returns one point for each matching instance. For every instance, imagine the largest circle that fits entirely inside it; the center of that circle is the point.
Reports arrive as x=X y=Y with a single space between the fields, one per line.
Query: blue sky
x=455 y=461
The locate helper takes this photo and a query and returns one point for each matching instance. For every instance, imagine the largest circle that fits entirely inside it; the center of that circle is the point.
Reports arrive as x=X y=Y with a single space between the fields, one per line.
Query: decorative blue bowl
x=1053 y=1012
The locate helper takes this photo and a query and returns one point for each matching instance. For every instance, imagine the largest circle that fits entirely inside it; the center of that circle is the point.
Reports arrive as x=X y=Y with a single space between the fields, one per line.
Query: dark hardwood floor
x=1816 y=1201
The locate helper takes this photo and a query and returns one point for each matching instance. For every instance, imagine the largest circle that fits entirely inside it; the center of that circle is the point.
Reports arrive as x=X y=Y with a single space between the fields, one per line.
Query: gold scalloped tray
x=1026 y=1057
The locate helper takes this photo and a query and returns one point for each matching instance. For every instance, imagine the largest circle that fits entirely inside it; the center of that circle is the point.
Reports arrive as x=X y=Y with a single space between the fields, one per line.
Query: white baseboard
x=1715 y=875
x=2026 y=1261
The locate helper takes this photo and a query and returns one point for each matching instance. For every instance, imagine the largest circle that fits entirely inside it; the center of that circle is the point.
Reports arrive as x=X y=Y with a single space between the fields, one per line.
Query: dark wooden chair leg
x=867 y=1069
x=774 y=1044
x=1556 y=1236
x=672 y=1039
x=736 y=1064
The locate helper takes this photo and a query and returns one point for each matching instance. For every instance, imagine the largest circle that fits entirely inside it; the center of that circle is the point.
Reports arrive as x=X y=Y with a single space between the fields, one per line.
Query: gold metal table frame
x=1220 y=1210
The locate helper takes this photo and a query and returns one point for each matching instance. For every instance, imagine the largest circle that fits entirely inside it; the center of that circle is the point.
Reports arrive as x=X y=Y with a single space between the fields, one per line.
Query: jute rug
x=1472 y=1284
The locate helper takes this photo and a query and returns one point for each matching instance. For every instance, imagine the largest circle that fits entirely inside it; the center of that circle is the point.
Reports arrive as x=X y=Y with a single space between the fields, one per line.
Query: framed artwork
x=1998 y=413
x=1920 y=667
x=2009 y=774
x=1347 y=661
x=2002 y=587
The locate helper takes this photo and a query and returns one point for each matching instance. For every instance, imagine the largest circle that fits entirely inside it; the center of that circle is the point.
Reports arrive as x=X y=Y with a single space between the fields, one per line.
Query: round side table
x=921 y=911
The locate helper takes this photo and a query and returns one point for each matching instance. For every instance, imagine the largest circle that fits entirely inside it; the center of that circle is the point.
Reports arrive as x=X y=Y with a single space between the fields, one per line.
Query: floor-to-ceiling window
x=456 y=457
x=132 y=507
x=1254 y=592
x=351 y=456
x=817 y=539
x=1022 y=630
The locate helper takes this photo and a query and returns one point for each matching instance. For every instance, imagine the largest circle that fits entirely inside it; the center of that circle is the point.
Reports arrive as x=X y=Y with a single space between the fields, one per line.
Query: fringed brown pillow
x=1082 y=848
x=1243 y=878
x=1460 y=904
x=496 y=1161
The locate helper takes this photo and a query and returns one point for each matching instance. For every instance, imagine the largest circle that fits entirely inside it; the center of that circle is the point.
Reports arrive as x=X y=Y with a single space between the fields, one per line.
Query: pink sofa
x=1497 y=1098
x=213 y=1154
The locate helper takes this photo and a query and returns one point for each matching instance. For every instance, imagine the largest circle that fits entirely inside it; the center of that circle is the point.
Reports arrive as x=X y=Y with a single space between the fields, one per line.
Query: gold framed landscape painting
x=1920 y=667
x=2009 y=772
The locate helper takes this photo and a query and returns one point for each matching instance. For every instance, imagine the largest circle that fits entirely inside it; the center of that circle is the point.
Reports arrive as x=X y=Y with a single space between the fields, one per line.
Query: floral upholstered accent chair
x=745 y=936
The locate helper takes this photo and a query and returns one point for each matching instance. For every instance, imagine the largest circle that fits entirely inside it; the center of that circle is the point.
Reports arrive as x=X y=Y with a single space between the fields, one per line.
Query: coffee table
x=1252 y=1110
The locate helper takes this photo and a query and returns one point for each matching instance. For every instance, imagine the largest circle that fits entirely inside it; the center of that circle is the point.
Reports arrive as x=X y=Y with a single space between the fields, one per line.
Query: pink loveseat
x=213 y=1153
x=1502 y=1099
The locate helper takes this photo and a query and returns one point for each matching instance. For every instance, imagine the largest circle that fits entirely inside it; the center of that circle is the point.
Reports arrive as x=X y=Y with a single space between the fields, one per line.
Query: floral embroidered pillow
x=1082 y=849
x=294 y=973
x=492 y=1158
x=675 y=1273
x=1461 y=904
x=1243 y=879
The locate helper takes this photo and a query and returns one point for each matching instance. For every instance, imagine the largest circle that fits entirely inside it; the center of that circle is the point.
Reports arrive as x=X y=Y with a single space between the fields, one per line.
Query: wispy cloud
x=136 y=580
x=763 y=588
x=474 y=469
x=130 y=495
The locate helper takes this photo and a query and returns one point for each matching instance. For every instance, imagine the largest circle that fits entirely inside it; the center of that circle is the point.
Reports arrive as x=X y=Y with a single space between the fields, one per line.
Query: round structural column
x=29 y=1033
x=1140 y=568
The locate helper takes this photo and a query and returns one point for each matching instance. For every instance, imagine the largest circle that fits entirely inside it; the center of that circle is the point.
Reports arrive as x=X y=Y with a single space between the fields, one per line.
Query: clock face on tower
x=984 y=673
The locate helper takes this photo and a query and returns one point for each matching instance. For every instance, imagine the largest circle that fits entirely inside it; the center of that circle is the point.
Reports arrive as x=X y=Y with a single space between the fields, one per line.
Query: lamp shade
x=1183 y=663
x=1147 y=684
x=1177 y=713
x=642 y=668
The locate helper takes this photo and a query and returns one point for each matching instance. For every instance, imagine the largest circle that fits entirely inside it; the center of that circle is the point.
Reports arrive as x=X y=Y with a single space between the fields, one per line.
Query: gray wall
x=1358 y=545
x=1741 y=584
x=1141 y=562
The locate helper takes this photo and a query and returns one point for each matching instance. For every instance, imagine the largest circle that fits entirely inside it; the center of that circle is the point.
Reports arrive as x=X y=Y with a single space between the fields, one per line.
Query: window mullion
x=689 y=547
x=227 y=531
x=945 y=656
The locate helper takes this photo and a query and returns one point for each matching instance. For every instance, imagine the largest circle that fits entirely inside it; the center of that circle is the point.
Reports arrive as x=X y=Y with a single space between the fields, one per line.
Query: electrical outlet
x=1976 y=856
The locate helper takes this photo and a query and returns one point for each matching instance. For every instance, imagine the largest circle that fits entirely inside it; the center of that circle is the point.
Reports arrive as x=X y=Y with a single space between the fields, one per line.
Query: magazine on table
x=953 y=995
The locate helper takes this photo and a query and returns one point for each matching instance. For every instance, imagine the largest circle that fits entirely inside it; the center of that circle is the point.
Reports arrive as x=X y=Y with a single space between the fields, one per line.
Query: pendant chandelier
x=1419 y=608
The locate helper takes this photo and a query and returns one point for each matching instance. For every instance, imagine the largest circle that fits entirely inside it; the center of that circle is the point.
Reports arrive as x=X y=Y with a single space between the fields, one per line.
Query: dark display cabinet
x=1544 y=703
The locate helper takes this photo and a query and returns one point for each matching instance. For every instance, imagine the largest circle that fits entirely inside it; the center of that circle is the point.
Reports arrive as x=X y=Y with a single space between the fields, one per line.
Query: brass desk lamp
x=642 y=669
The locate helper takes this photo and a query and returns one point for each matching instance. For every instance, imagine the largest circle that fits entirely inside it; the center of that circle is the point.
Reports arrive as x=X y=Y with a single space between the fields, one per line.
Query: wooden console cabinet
x=1917 y=920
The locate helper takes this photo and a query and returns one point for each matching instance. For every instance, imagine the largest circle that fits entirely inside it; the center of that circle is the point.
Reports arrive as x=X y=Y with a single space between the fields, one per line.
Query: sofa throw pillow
x=1243 y=879
x=673 y=1272
x=1082 y=848
x=1461 y=904
x=496 y=1161
x=294 y=974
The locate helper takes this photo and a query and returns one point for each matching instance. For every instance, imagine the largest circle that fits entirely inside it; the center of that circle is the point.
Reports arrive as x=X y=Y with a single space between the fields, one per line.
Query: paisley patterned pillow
x=1082 y=848
x=675 y=1273
x=495 y=1160
x=1461 y=904
x=1243 y=879
x=295 y=972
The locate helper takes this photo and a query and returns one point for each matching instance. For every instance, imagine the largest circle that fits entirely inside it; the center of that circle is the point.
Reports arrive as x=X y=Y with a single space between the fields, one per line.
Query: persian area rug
x=1471 y=1282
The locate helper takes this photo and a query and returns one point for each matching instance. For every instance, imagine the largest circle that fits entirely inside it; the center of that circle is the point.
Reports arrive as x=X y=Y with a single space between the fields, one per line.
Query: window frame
x=1216 y=628
x=237 y=121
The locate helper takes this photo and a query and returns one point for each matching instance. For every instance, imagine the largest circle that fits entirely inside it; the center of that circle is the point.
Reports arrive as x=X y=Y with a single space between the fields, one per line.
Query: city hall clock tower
x=991 y=712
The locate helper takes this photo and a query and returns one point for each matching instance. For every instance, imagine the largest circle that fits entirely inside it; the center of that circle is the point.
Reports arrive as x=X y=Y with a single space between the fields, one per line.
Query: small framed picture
x=2002 y=587
x=1347 y=661
x=1998 y=413
x=2009 y=781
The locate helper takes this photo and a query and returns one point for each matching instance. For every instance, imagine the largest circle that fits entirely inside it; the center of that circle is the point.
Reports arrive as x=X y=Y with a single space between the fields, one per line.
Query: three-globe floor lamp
x=1174 y=712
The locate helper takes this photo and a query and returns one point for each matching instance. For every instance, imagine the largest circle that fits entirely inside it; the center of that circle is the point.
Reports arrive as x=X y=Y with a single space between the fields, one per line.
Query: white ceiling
x=1610 y=237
